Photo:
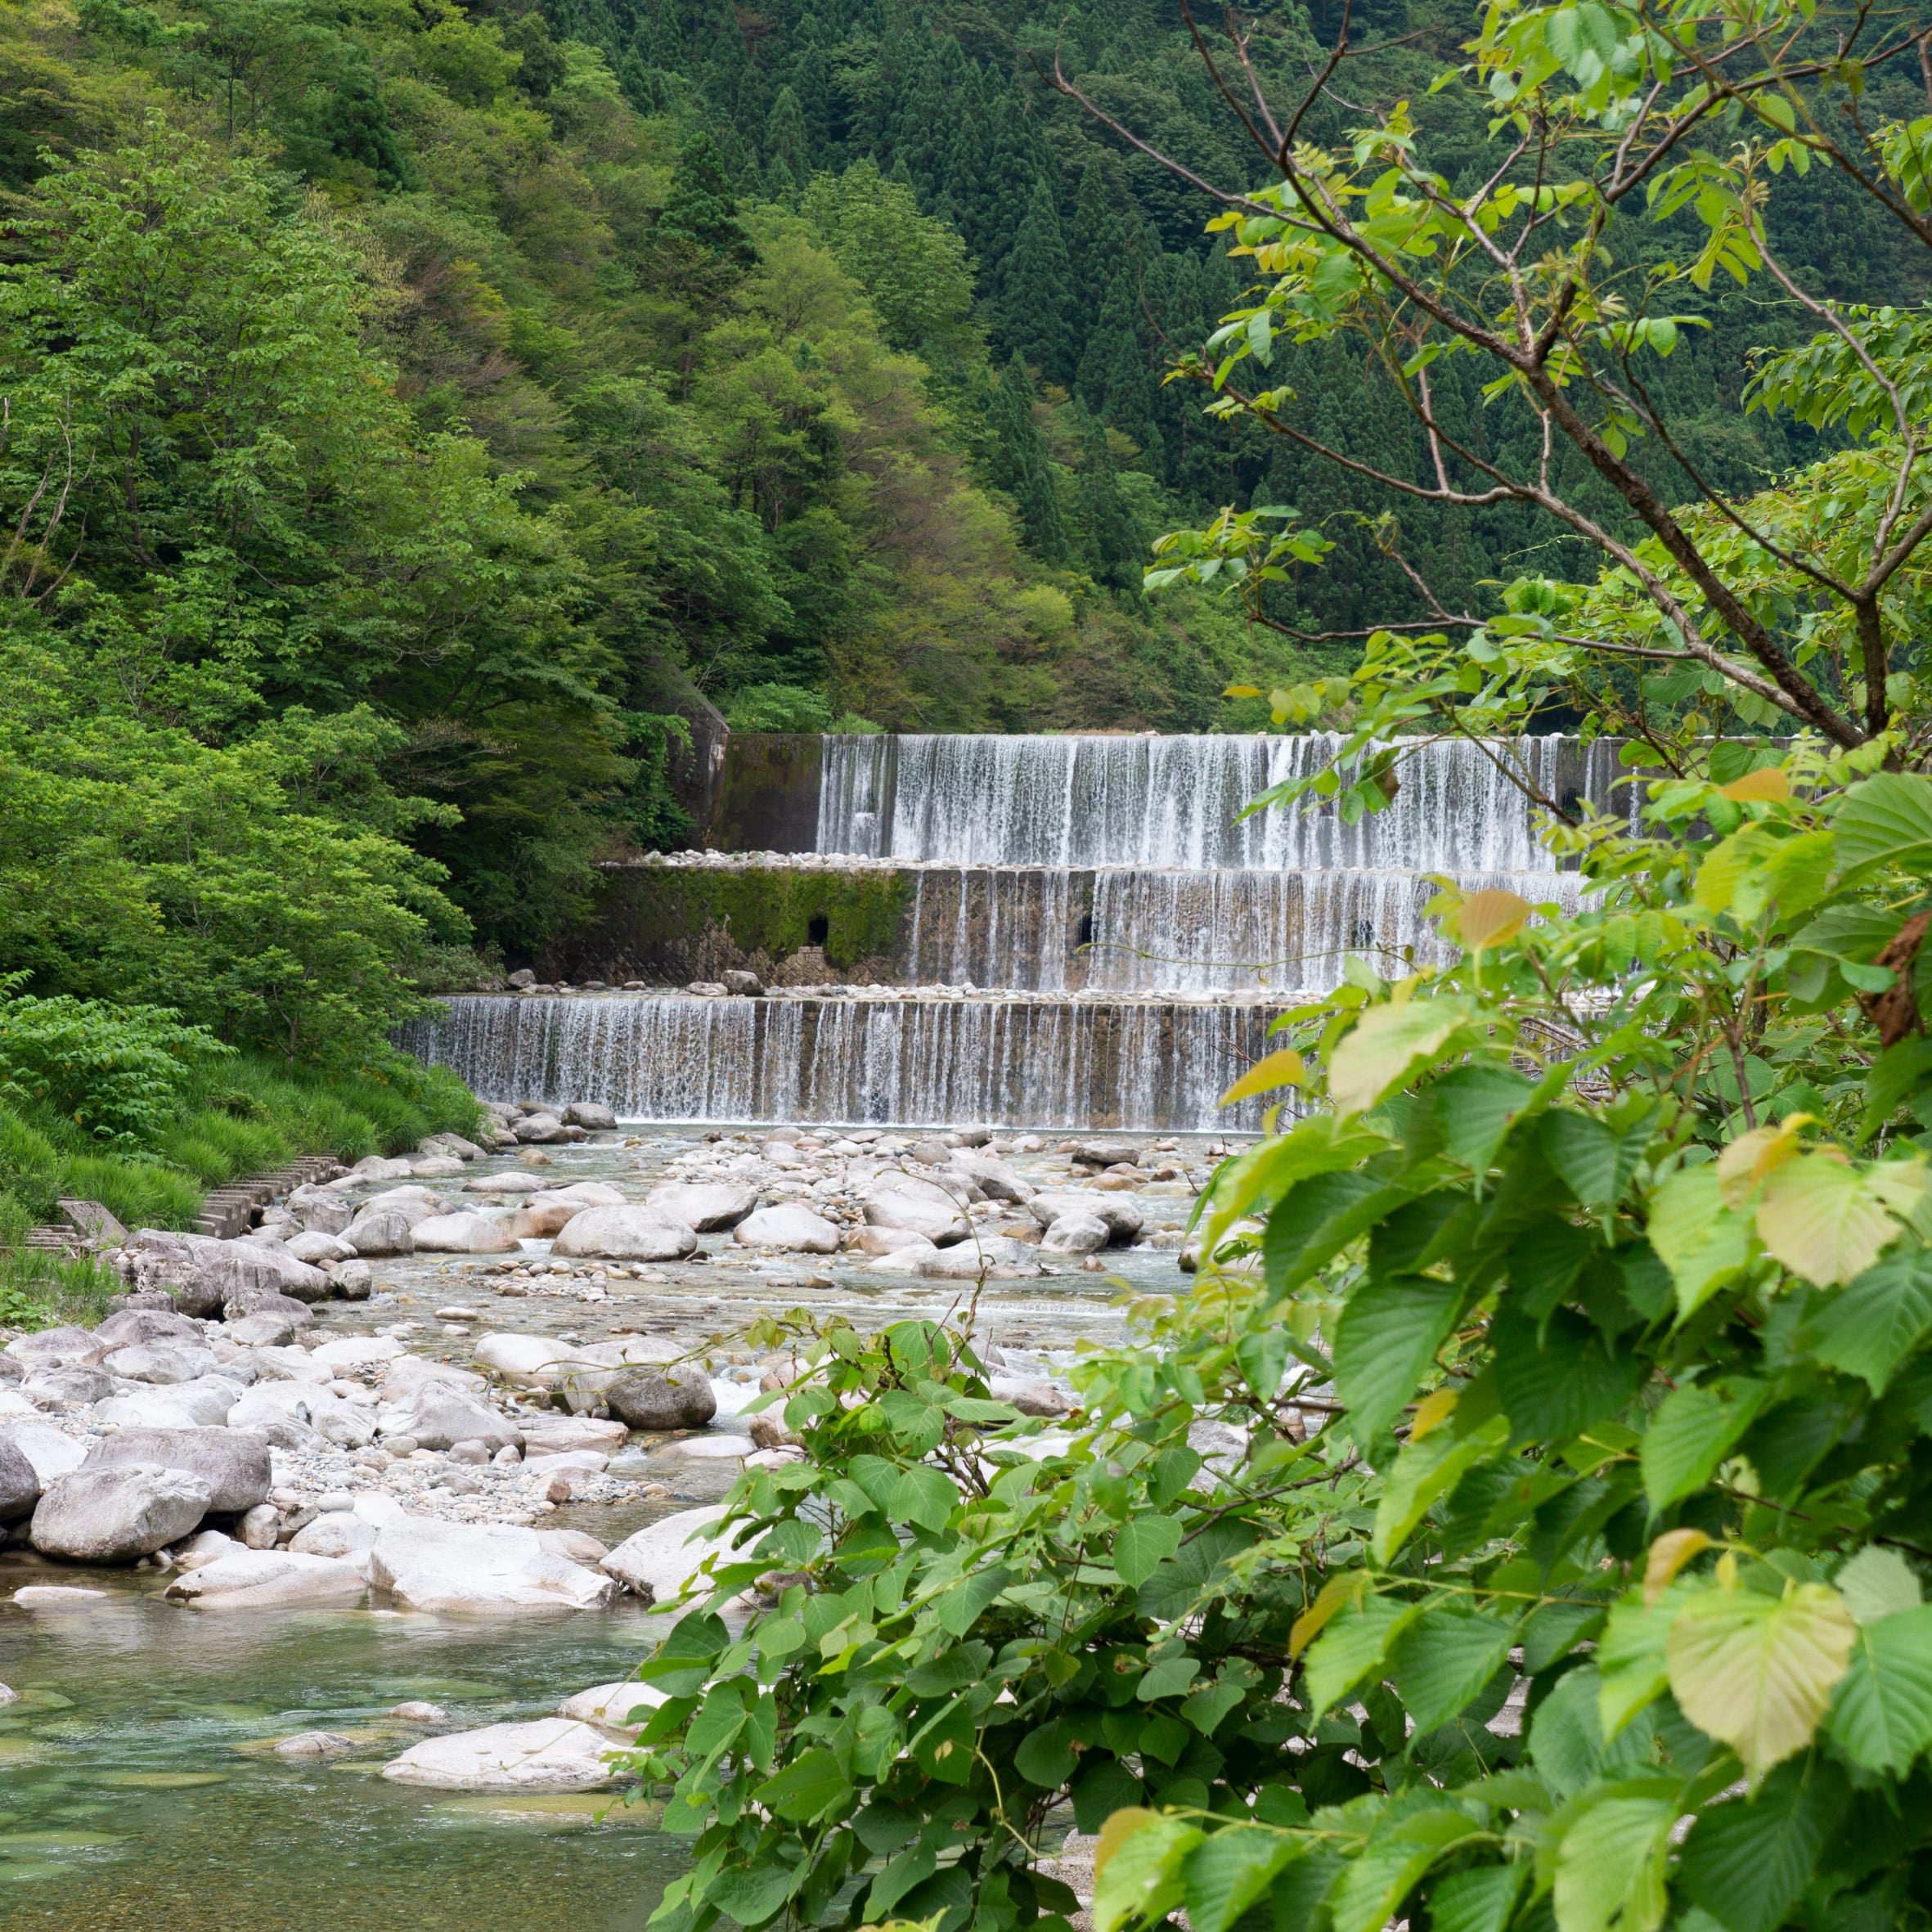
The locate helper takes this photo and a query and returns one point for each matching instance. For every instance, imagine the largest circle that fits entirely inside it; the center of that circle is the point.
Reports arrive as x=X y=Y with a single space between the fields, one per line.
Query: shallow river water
x=136 y=1786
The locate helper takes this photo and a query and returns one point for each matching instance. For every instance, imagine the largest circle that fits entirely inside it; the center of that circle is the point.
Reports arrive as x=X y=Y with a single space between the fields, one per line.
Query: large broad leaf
x=1480 y=1900
x=1387 y=1043
x=1596 y=1162
x=1474 y=1108
x=1700 y=1241
x=1227 y=1872
x=1881 y=1717
x=1320 y=1144
x=1355 y=1642
x=1877 y=1584
x=1827 y=1221
x=1385 y=1339
x=1757 y=1672
x=1632 y=1657
x=1319 y=1217
x=753 y=1894
x=1141 y=1545
x=1558 y=1376
x=1443 y=1659
x=1693 y=1431
x=1393 y=1863
x=810 y=1788
x=1138 y=1865
x=1425 y=1472
x=1610 y=1866
x=1746 y=1862
x=1878 y=1319
x=1885 y=820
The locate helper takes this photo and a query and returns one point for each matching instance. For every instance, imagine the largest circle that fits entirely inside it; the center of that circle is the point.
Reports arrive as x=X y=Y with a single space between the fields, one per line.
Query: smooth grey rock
x=266 y=1579
x=550 y=1755
x=133 y=1326
x=575 y=1545
x=260 y=1528
x=620 y=1709
x=553 y=1434
x=313 y=1744
x=708 y=1206
x=1029 y=1397
x=1075 y=1233
x=68 y=1388
x=51 y=1452
x=593 y=1114
x=659 y=1561
x=19 y=1482
x=161 y=1363
x=995 y=1179
x=340 y=1533
x=989 y=1254
x=353 y=1281
x=479 y=1568
x=232 y=1462
x=313 y=1245
x=661 y=1398
x=1124 y=1219
x=321 y=1210
x=624 y=1234
x=795 y=1229
x=738 y=980
x=57 y=1348
x=380 y=1231
x=118 y=1515
x=1107 y=1154
x=540 y=1130
x=204 y=1274
x=262 y=1329
x=206 y=1403
x=903 y=1201
x=438 y=1415
x=463 y=1234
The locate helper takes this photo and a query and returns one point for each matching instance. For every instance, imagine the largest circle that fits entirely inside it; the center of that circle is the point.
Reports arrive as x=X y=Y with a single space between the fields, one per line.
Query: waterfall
x=1126 y=933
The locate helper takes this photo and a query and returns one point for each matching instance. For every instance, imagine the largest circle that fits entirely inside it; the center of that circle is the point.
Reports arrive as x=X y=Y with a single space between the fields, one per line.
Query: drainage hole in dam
x=1363 y=934
x=818 y=929
x=1083 y=932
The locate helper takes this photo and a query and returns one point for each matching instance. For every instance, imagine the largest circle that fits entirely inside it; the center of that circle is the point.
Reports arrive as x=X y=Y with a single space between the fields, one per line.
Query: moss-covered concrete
x=670 y=924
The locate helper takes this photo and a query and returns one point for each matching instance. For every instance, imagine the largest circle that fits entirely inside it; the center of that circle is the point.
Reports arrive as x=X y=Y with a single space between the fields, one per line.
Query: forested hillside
x=414 y=413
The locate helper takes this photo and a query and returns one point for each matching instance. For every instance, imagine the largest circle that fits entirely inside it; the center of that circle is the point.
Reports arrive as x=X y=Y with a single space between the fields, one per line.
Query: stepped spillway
x=1101 y=936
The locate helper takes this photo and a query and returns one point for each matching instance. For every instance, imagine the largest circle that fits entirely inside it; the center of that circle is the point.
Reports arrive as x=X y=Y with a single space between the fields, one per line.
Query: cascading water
x=1099 y=935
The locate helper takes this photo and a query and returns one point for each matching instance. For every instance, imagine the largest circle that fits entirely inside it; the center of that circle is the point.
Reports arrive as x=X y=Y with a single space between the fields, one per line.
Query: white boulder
x=796 y=1228
x=486 y=1569
x=462 y=1234
x=707 y=1206
x=266 y=1579
x=624 y=1234
x=550 y=1755
x=621 y=1709
x=659 y=1562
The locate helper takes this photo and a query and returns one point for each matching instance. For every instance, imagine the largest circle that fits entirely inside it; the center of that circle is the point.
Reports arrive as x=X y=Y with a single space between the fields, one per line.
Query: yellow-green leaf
x=1700 y=1241
x=1756 y=1672
x=1138 y=1867
x=1387 y=1043
x=1610 y=1866
x=1284 y=1067
x=1827 y=1221
x=1488 y=918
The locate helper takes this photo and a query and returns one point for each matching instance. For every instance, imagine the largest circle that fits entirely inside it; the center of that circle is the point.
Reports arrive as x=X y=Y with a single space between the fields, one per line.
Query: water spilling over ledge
x=1090 y=893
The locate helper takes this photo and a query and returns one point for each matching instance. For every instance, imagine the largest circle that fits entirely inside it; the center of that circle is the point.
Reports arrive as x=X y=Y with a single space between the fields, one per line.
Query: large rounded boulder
x=624 y=1234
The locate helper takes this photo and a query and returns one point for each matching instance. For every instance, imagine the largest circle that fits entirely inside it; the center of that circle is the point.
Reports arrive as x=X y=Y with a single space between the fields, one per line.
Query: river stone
x=904 y=1257
x=282 y=1410
x=991 y=1254
x=1029 y=1397
x=320 y=1211
x=509 y=1183
x=408 y=1373
x=53 y=1452
x=57 y=1597
x=1077 y=1234
x=118 y=1515
x=204 y=1274
x=379 y=1167
x=540 y=1130
x=620 y=1709
x=626 y=1234
x=339 y=1533
x=233 y=1464
x=995 y=1179
x=134 y=1326
x=575 y=1545
x=882 y=1241
x=352 y=1280
x=1107 y=1154
x=437 y=1417
x=662 y=1399
x=19 y=1482
x=68 y=1388
x=590 y=1193
x=382 y=1231
x=550 y=1755
x=162 y=1363
x=657 y=1563
x=206 y=1403
x=528 y=1360
x=436 y=1167
x=709 y=1206
x=922 y=1206
x=314 y=1246
x=313 y=1744
x=547 y=1216
x=463 y=1234
x=284 y=1309
x=1124 y=1219
x=204 y=1545
x=797 y=1229
x=266 y=1579
x=593 y=1114
x=356 y=1351
x=57 y=1348
x=554 y=1434
x=484 y=1568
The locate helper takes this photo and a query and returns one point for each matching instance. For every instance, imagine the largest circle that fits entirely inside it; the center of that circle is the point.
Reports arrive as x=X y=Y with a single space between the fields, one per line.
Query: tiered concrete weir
x=1048 y=931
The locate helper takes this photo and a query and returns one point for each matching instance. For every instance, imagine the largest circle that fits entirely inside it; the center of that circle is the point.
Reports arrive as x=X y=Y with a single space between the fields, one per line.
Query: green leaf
x=1632 y=1657
x=1700 y=1241
x=1355 y=1642
x=1142 y=1544
x=1474 y=1108
x=1874 y=1323
x=1386 y=1337
x=925 y=1497
x=912 y=1867
x=1881 y=1717
x=1746 y=1862
x=1482 y=1899
x=1046 y=1756
x=1424 y=1472
x=1757 y=1672
x=1827 y=1221
x=1596 y=1164
x=1444 y=1658
x=811 y=1787
x=1394 y=1860
x=1138 y=1875
x=1610 y=1866
x=1385 y=1044
x=1887 y=820
x=1693 y=1431
x=1557 y=1378
x=1877 y=1584
x=1168 y=1677
x=961 y=1604
x=1104 y=1789
x=1226 y=1873
x=751 y=1894
x=944 y=1744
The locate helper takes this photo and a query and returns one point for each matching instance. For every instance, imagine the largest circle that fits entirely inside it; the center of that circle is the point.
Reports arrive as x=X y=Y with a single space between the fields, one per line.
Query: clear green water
x=128 y=1797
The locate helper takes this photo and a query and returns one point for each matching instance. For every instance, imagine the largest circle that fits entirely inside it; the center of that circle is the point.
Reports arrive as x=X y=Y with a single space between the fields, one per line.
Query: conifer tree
x=1114 y=379
x=1021 y=466
x=1038 y=289
x=786 y=138
x=1115 y=545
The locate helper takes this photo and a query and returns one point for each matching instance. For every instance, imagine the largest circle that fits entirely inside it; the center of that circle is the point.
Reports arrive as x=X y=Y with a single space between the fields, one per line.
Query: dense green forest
x=414 y=414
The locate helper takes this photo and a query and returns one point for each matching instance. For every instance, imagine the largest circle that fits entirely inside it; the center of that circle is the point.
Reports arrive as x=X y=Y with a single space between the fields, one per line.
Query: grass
x=247 y=1116
x=44 y=1290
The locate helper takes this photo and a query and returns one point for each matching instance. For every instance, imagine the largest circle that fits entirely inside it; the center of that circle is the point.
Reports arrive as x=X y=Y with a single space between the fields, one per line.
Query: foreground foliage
x=1541 y=1476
